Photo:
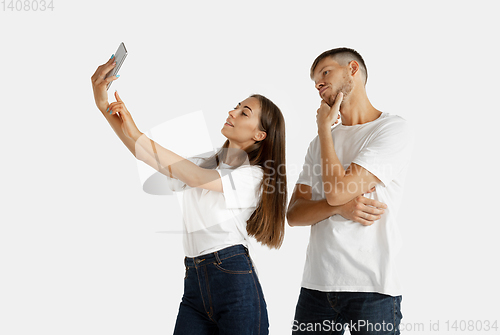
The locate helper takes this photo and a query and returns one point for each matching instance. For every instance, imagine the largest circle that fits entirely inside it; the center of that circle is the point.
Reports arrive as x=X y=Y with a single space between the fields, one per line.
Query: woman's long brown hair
x=267 y=222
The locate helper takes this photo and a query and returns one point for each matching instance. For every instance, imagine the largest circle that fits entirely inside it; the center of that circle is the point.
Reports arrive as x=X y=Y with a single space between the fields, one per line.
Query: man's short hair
x=342 y=56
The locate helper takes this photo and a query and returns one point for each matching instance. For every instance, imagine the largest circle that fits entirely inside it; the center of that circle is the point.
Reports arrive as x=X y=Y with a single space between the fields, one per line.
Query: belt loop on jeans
x=217 y=257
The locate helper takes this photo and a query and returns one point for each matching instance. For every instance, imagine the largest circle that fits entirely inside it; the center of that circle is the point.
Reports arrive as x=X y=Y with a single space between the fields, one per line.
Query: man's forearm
x=308 y=212
x=332 y=170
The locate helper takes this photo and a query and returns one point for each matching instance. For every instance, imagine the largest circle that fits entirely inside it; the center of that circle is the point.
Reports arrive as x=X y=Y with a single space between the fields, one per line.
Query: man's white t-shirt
x=214 y=220
x=344 y=255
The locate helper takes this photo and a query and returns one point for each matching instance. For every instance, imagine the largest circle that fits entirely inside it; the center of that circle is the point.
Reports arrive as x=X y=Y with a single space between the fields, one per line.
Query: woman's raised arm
x=99 y=85
x=143 y=148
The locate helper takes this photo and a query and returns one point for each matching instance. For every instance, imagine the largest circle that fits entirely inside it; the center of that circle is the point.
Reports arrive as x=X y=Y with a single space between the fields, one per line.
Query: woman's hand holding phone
x=99 y=84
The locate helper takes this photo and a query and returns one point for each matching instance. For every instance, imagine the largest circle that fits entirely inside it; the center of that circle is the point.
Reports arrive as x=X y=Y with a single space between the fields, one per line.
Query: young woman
x=238 y=192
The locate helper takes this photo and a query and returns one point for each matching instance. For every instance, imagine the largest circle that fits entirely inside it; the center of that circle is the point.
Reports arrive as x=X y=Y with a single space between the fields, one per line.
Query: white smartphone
x=120 y=55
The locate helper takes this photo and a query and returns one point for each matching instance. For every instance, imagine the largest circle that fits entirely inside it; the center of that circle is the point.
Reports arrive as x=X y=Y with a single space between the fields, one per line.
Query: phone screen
x=120 y=55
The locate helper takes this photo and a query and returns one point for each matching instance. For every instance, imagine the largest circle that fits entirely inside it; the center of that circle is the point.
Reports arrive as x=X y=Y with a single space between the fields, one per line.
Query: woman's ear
x=261 y=135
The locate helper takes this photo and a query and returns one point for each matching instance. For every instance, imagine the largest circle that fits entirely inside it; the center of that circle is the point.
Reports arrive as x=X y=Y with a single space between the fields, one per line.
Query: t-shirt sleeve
x=241 y=186
x=306 y=175
x=389 y=151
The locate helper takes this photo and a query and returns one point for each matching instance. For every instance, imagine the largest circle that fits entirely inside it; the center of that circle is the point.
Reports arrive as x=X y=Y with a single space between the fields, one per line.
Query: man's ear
x=261 y=135
x=353 y=67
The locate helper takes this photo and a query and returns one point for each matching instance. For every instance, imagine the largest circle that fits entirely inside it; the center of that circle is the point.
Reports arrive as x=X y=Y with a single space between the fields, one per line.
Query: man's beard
x=346 y=88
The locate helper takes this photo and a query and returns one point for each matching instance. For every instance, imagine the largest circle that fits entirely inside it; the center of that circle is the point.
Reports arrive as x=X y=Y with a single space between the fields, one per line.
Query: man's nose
x=319 y=85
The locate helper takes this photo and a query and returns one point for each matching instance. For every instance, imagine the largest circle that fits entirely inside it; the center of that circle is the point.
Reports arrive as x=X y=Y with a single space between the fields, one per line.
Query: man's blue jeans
x=222 y=295
x=330 y=312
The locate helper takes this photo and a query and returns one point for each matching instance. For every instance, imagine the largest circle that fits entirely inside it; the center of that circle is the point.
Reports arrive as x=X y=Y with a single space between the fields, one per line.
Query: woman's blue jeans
x=222 y=295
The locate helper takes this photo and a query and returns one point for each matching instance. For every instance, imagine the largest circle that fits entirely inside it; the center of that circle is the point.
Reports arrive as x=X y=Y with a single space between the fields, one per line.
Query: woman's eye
x=325 y=73
x=244 y=113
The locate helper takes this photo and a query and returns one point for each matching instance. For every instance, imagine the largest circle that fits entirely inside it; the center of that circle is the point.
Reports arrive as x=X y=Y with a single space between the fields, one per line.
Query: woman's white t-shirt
x=214 y=220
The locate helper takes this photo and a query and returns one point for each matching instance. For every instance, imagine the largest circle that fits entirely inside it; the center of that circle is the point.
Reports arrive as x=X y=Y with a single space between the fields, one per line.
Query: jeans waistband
x=216 y=256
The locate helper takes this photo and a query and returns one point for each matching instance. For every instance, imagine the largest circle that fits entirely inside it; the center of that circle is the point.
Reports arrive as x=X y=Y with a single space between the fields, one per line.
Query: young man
x=349 y=276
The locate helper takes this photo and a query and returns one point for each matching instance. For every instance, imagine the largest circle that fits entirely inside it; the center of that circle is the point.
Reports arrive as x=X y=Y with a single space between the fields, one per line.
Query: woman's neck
x=235 y=155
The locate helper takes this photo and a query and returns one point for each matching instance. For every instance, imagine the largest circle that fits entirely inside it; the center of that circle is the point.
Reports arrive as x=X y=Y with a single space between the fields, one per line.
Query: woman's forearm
x=142 y=149
x=171 y=164
x=115 y=123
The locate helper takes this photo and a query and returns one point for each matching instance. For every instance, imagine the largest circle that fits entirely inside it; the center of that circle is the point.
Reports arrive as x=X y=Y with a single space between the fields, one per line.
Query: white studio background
x=83 y=250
